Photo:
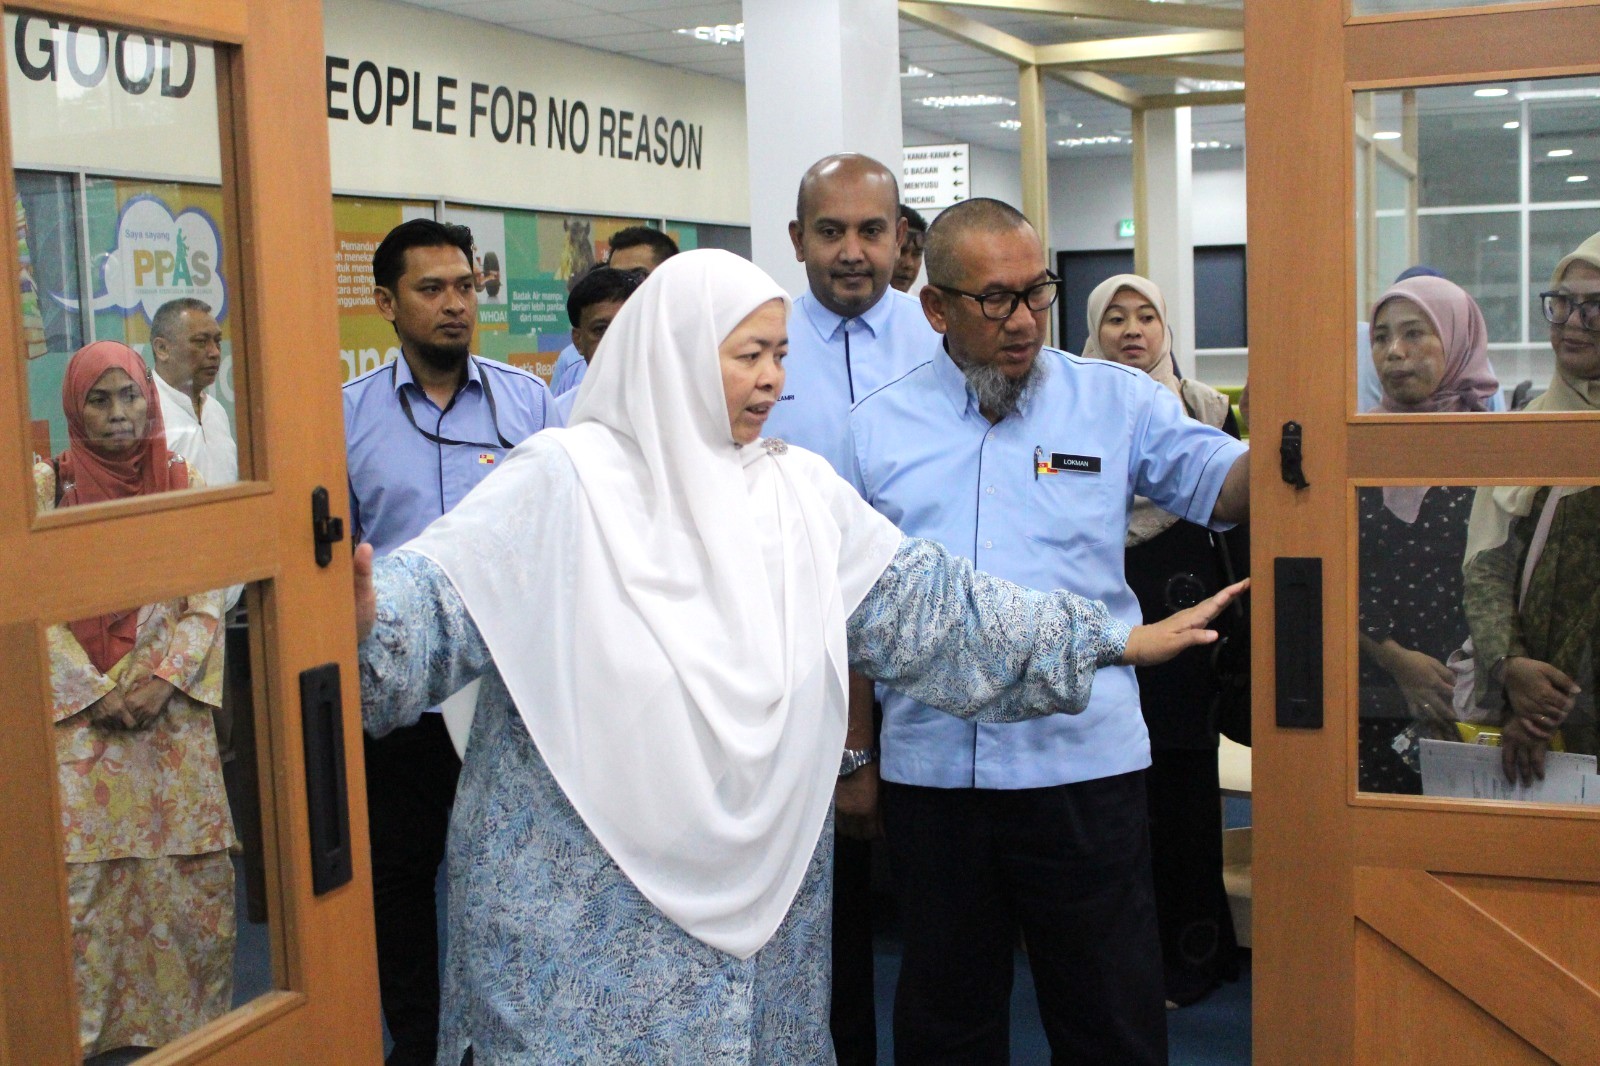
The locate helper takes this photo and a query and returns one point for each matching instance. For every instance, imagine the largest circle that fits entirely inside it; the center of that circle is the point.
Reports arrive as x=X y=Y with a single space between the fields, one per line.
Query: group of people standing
x=1480 y=606
x=684 y=606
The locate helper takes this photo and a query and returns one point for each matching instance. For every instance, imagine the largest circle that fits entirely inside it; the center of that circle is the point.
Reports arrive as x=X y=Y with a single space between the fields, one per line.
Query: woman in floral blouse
x=149 y=880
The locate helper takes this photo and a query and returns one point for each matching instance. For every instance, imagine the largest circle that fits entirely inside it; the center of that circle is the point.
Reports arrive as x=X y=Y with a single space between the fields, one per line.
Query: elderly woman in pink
x=144 y=816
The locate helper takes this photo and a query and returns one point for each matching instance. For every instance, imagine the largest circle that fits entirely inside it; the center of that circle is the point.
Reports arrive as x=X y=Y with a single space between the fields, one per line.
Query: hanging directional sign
x=935 y=176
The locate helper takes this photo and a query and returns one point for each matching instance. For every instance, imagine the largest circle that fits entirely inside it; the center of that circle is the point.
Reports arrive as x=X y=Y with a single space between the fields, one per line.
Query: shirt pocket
x=1072 y=511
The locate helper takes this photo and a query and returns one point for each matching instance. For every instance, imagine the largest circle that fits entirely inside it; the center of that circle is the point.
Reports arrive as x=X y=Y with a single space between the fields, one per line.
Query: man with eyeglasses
x=849 y=333
x=420 y=433
x=1025 y=460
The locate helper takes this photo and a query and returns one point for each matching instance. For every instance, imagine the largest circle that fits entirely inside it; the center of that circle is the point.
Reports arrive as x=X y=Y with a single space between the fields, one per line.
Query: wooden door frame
x=1322 y=854
x=274 y=133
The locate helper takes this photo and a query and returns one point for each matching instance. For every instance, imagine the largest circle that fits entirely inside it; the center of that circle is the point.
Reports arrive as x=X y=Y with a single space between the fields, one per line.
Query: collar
x=402 y=373
x=953 y=383
x=175 y=397
x=828 y=325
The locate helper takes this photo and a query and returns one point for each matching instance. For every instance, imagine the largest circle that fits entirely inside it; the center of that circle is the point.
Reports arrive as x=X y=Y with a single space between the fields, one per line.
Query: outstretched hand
x=1151 y=645
x=366 y=595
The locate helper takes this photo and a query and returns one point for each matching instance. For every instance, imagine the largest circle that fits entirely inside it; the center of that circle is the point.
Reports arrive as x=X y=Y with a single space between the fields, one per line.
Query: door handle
x=1297 y=610
x=327 y=800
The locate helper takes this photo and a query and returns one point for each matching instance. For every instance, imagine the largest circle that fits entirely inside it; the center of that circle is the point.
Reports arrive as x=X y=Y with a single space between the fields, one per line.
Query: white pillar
x=1166 y=224
x=820 y=77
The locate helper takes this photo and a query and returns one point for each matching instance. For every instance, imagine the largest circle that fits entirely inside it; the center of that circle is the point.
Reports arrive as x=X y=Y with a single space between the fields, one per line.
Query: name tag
x=1064 y=463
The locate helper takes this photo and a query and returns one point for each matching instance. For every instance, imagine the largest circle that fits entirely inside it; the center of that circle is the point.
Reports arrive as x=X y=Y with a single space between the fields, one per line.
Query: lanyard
x=488 y=395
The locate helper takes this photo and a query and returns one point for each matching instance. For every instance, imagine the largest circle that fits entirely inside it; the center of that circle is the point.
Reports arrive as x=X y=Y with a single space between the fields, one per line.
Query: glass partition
x=122 y=230
x=1488 y=185
x=1479 y=620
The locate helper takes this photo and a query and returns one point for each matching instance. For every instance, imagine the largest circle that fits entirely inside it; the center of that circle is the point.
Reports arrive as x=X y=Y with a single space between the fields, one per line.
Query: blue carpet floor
x=1213 y=1032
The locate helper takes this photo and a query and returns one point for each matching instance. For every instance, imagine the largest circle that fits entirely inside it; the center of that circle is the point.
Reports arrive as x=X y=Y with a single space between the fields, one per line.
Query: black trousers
x=411 y=783
x=1198 y=945
x=1069 y=868
x=853 y=1011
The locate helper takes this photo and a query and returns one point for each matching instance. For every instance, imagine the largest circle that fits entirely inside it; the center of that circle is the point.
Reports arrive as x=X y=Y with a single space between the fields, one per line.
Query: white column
x=1166 y=224
x=820 y=77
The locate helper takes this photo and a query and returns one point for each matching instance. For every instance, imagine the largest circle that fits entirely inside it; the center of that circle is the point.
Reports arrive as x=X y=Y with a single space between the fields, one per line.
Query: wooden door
x=265 y=265
x=1396 y=929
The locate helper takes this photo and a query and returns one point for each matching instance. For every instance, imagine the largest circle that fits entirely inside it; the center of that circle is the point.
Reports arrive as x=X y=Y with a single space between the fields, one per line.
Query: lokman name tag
x=1064 y=463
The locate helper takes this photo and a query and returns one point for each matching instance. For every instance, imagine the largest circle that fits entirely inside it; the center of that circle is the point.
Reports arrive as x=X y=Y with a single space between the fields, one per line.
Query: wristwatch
x=855 y=758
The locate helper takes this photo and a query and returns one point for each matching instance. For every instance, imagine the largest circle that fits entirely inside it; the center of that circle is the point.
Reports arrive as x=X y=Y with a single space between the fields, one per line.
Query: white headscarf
x=677 y=646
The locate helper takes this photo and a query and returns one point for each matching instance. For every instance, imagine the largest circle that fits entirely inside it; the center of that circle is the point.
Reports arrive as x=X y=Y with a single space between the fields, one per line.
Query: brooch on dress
x=774 y=445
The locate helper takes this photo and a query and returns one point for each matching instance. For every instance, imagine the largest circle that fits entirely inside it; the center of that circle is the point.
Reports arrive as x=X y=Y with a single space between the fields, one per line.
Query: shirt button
x=990 y=490
x=988 y=544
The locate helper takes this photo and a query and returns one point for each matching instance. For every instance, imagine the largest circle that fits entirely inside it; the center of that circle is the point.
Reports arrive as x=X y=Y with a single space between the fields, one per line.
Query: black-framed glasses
x=1558 y=308
x=1001 y=304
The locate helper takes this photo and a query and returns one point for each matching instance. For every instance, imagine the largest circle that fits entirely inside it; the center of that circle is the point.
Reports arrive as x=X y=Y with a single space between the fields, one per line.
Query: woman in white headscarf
x=1532 y=569
x=1171 y=563
x=662 y=608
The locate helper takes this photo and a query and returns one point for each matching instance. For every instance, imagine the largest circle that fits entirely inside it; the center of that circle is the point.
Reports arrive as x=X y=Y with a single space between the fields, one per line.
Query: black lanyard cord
x=488 y=395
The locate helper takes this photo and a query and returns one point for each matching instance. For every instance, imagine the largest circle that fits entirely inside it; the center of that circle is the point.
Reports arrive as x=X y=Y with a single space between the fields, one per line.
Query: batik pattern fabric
x=1558 y=620
x=554 y=955
x=140 y=810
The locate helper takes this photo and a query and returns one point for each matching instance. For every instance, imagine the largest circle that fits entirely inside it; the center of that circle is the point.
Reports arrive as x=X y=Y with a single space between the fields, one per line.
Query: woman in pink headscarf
x=144 y=816
x=1431 y=350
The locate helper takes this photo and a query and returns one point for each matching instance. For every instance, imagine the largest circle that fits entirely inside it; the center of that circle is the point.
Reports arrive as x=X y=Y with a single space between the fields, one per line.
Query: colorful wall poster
x=366 y=339
x=148 y=243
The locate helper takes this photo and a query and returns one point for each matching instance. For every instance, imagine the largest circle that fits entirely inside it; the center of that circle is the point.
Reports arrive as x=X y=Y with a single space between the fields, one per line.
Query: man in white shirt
x=186 y=347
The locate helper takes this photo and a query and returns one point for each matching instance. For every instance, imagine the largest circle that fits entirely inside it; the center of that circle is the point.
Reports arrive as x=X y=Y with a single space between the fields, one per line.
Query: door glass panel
x=157 y=730
x=123 y=229
x=1479 y=617
x=1489 y=186
x=1397 y=7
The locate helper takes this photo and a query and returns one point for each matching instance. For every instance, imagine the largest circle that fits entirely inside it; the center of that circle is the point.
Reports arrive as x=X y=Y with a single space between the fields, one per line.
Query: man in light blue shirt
x=1025 y=460
x=635 y=248
x=849 y=334
x=420 y=433
x=591 y=306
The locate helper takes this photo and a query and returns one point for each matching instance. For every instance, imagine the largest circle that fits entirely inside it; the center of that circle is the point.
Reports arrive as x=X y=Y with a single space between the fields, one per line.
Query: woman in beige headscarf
x=1169 y=562
x=1534 y=628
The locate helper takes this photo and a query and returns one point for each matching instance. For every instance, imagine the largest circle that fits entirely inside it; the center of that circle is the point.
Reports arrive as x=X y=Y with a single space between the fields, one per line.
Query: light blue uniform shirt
x=399 y=479
x=564 y=404
x=929 y=461
x=834 y=362
x=569 y=370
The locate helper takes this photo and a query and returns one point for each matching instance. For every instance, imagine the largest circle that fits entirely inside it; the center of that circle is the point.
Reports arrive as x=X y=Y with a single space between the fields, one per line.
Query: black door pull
x=327 y=801
x=1297 y=610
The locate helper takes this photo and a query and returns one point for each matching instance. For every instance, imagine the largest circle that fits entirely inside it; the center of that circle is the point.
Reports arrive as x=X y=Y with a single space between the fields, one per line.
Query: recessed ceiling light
x=1559 y=94
x=911 y=70
x=1386 y=135
x=1490 y=92
x=1492 y=237
x=967 y=100
x=1577 y=177
x=723 y=33
x=1512 y=125
x=1010 y=124
x=1081 y=142
x=1559 y=153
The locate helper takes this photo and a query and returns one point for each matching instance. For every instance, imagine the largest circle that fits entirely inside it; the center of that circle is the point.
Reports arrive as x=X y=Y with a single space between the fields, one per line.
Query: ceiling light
x=1512 y=125
x=718 y=34
x=1208 y=85
x=1559 y=94
x=911 y=70
x=1559 y=153
x=1386 y=135
x=1575 y=178
x=966 y=100
x=1010 y=124
x=1080 y=142
x=1490 y=92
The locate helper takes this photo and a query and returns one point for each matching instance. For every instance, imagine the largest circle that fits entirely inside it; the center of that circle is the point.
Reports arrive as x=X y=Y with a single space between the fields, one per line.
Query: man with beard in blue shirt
x=1026 y=460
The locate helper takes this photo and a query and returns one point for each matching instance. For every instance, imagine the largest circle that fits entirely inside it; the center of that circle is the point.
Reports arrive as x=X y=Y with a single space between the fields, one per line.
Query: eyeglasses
x=1001 y=304
x=1558 y=308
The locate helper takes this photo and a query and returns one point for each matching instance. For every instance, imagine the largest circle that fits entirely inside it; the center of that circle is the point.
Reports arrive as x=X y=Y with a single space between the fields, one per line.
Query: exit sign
x=1125 y=227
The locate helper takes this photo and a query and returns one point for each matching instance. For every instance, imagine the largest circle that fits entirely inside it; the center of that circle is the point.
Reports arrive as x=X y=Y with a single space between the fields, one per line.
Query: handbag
x=1462 y=662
